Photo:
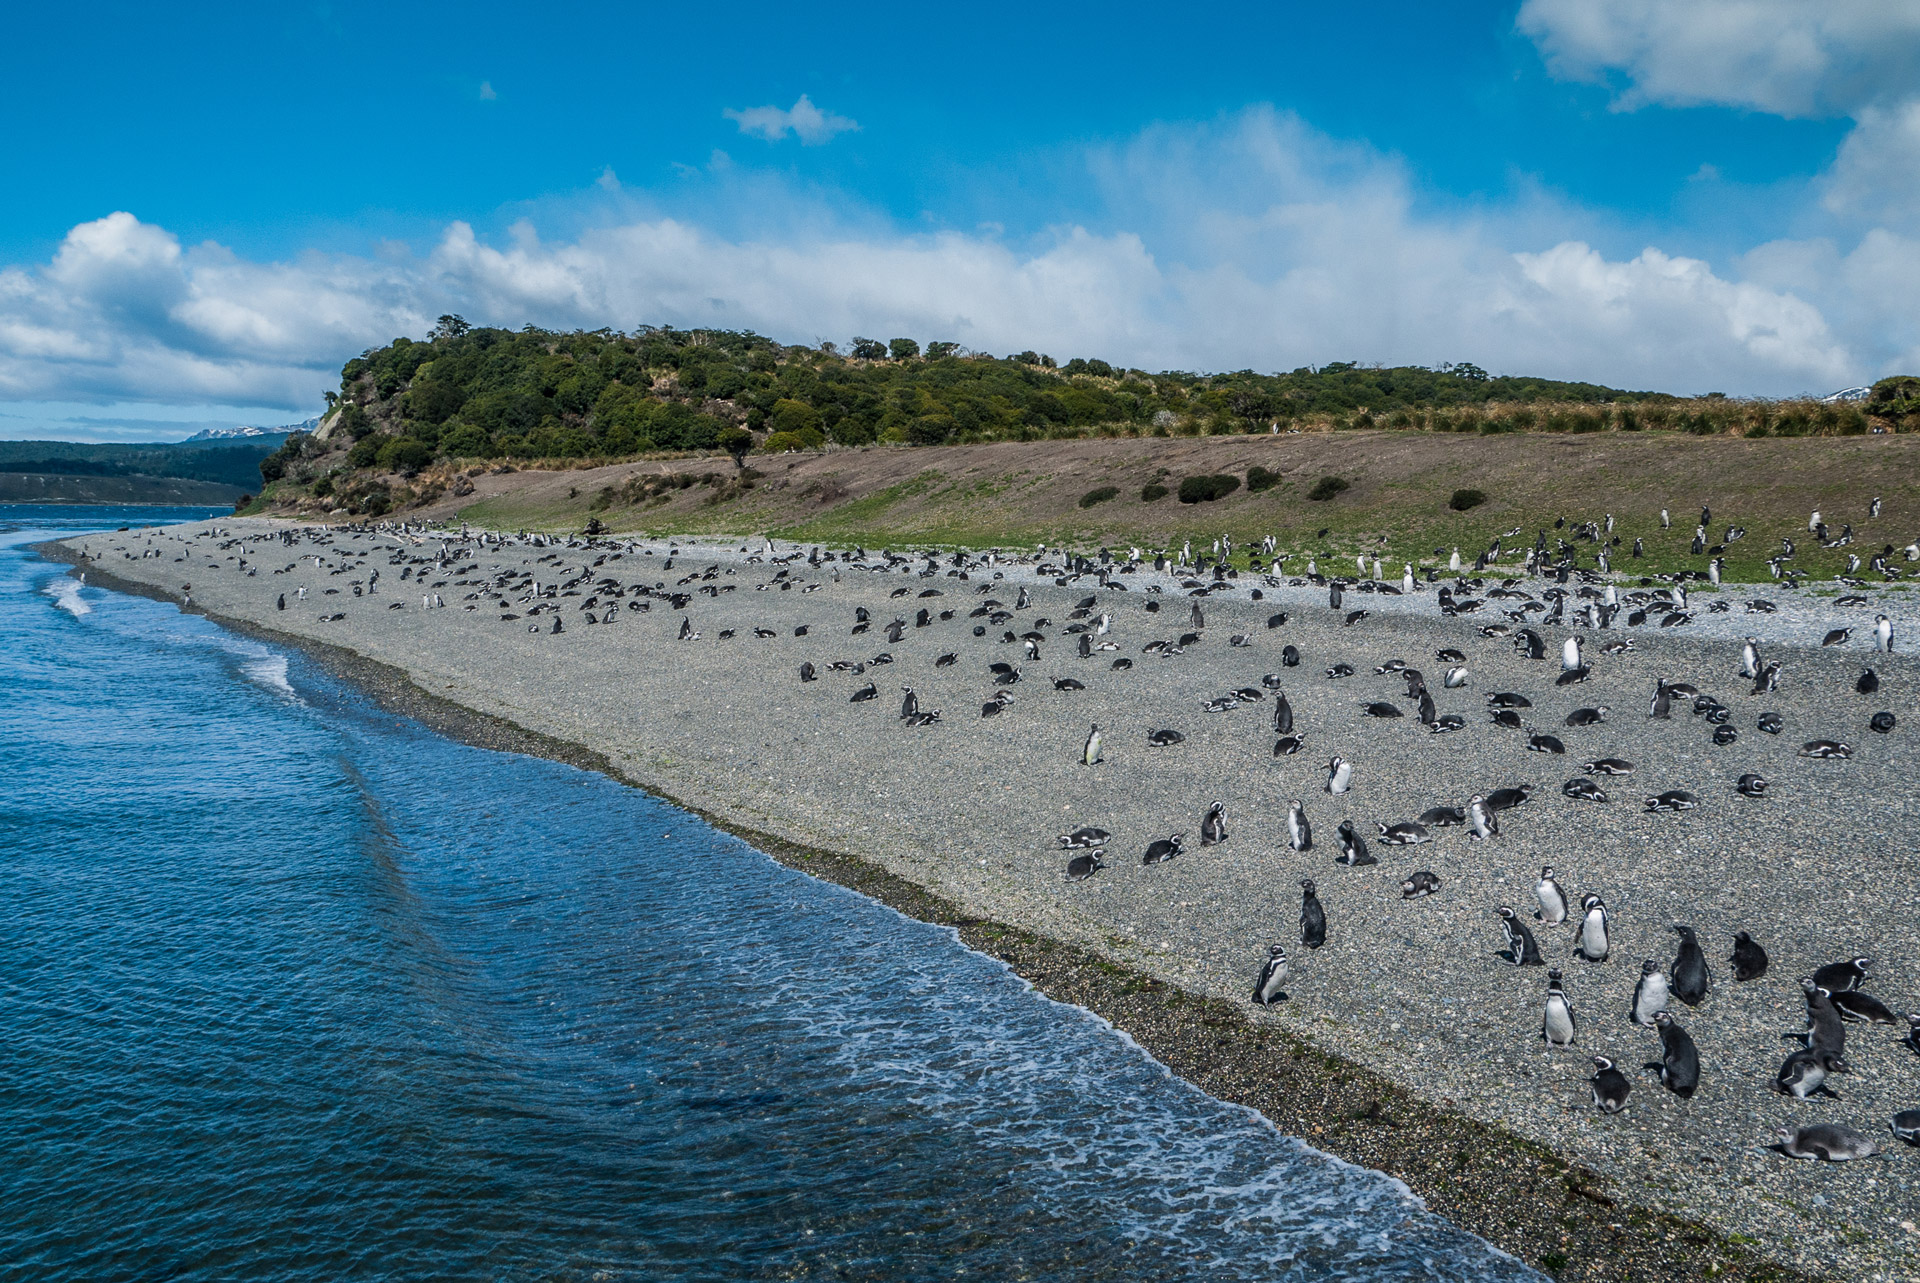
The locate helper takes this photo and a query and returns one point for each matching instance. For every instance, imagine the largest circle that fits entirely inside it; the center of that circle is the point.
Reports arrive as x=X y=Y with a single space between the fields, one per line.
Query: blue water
x=296 y=989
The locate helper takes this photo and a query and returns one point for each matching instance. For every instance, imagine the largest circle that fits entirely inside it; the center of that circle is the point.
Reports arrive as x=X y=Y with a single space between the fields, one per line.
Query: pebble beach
x=971 y=807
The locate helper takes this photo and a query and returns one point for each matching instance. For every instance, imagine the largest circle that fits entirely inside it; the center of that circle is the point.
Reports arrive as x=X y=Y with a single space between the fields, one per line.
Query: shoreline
x=1531 y=1201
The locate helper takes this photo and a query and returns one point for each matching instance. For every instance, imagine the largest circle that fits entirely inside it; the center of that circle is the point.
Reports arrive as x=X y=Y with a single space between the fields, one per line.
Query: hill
x=221 y=470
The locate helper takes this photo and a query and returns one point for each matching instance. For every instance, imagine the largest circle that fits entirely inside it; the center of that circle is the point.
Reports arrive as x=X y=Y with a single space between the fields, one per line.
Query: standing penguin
x=1553 y=901
x=283 y=602
x=1750 y=658
x=1273 y=974
x=1333 y=596
x=1591 y=943
x=1557 y=1024
x=1213 y=829
x=1522 y=951
x=1282 y=714
x=1662 y=705
x=1610 y=1086
x=1883 y=634
x=1313 y=918
x=1679 y=1062
x=1299 y=832
x=1480 y=819
x=1650 y=995
x=1090 y=753
x=1353 y=847
x=1339 y=775
x=1691 y=979
x=1570 y=655
x=1199 y=620
x=911 y=704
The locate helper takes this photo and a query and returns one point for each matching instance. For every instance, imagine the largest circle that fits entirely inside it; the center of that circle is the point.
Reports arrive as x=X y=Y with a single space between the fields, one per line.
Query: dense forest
x=228 y=465
x=474 y=393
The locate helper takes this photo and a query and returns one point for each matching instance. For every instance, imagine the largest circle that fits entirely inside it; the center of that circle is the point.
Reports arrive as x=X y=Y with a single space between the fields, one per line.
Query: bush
x=404 y=454
x=323 y=487
x=1207 y=489
x=1101 y=495
x=1259 y=479
x=781 y=442
x=1151 y=491
x=1465 y=499
x=1326 y=488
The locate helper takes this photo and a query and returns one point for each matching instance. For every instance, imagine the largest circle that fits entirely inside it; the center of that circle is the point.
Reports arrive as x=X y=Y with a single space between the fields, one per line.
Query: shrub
x=1326 y=488
x=405 y=454
x=1151 y=491
x=1465 y=499
x=781 y=442
x=323 y=487
x=1207 y=489
x=1101 y=495
x=1259 y=478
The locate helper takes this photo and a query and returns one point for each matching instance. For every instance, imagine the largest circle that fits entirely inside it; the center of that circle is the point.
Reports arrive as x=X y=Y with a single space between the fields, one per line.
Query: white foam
x=66 y=595
x=270 y=670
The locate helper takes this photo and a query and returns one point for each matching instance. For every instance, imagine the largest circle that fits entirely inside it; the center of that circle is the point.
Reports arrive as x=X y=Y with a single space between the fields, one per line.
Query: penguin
x=1090 y=751
x=807 y=673
x=1769 y=679
x=1553 y=901
x=910 y=705
x=1679 y=1062
x=1912 y=1041
x=1570 y=655
x=1165 y=738
x=1873 y=509
x=1591 y=941
x=686 y=628
x=1333 y=596
x=1282 y=714
x=1609 y=766
x=1480 y=821
x=282 y=605
x=1290 y=656
x=1522 y=950
x=1086 y=645
x=1691 y=979
x=1610 y=1086
x=1750 y=658
x=1825 y=1030
x=1545 y=744
x=1273 y=974
x=1164 y=849
x=1083 y=866
x=1213 y=828
x=1582 y=789
x=1084 y=836
x=1650 y=994
x=1558 y=1025
x=1905 y=1125
x=1858 y=1007
x=1804 y=1074
x=1826 y=749
x=1353 y=847
x=1313 y=918
x=1828 y=1142
x=1868 y=683
x=1662 y=706
x=1883 y=634
x=1199 y=620
x=1771 y=723
x=1749 y=960
x=1881 y=723
x=1837 y=637
x=1455 y=678
x=1429 y=715
x=1287 y=746
x=1339 y=775
x=1299 y=832
x=1421 y=883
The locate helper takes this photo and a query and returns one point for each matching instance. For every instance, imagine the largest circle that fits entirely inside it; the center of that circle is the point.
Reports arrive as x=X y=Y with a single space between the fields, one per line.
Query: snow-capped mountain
x=239 y=433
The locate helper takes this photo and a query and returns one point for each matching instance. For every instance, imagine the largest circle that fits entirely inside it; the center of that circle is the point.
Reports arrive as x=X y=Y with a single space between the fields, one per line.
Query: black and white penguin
x=1090 y=751
x=1083 y=866
x=1084 y=836
x=1164 y=738
x=1282 y=714
x=1610 y=1086
x=1771 y=723
x=1353 y=847
x=1480 y=821
x=1881 y=723
x=1591 y=942
x=1299 y=832
x=1197 y=619
x=1406 y=833
x=1662 y=705
x=1673 y=800
x=1522 y=950
x=1587 y=716
x=1273 y=974
x=1068 y=684
x=1582 y=789
x=1418 y=884
x=1828 y=1142
x=1570 y=655
x=1213 y=828
x=1825 y=749
x=1868 y=683
x=1825 y=1030
x=1749 y=960
x=1290 y=657
x=1769 y=679
x=1339 y=775
x=1553 y=900
x=282 y=605
x=1164 y=849
x=1650 y=994
x=1691 y=979
x=1883 y=634
x=1856 y=1006
x=1905 y=1125
x=1679 y=1062
x=1287 y=745
x=686 y=628
x=1836 y=637
x=1558 y=1024
x=1313 y=918
x=909 y=705
x=1804 y=1074
x=1545 y=744
x=807 y=673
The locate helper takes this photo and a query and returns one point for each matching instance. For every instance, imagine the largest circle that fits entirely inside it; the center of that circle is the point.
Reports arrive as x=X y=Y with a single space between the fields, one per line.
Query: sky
x=207 y=210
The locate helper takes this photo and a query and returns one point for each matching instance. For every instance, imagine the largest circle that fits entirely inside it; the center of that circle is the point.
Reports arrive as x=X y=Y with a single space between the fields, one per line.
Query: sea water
x=293 y=988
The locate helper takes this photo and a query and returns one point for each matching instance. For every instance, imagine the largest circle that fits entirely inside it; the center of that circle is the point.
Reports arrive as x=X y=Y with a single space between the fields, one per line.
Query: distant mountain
x=248 y=433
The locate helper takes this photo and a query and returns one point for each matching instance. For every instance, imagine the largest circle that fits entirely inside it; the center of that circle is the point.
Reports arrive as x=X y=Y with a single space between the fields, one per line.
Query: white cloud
x=1877 y=174
x=804 y=120
x=1252 y=242
x=1786 y=57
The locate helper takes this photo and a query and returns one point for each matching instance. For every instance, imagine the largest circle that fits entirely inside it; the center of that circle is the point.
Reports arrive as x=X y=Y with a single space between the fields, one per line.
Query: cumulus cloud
x=1877 y=173
x=804 y=120
x=1253 y=242
x=1786 y=57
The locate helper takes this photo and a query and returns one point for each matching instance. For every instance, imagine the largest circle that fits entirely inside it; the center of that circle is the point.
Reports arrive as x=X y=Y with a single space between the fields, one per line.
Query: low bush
x=1151 y=491
x=1465 y=499
x=1101 y=495
x=1207 y=489
x=1259 y=478
x=1327 y=487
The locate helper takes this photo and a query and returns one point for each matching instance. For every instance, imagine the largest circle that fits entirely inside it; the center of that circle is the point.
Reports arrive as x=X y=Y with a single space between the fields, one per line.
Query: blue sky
x=207 y=212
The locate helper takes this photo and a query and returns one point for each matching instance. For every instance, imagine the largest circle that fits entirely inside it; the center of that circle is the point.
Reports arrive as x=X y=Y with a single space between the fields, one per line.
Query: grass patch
x=1327 y=487
x=1208 y=488
x=1259 y=478
x=1151 y=491
x=1101 y=495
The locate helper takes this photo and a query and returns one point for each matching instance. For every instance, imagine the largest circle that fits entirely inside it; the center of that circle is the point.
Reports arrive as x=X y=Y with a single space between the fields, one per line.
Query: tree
x=736 y=442
x=903 y=349
x=868 y=349
x=449 y=327
x=940 y=349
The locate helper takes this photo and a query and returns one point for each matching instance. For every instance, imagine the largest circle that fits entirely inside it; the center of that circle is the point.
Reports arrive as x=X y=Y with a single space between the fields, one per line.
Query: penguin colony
x=1573 y=635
